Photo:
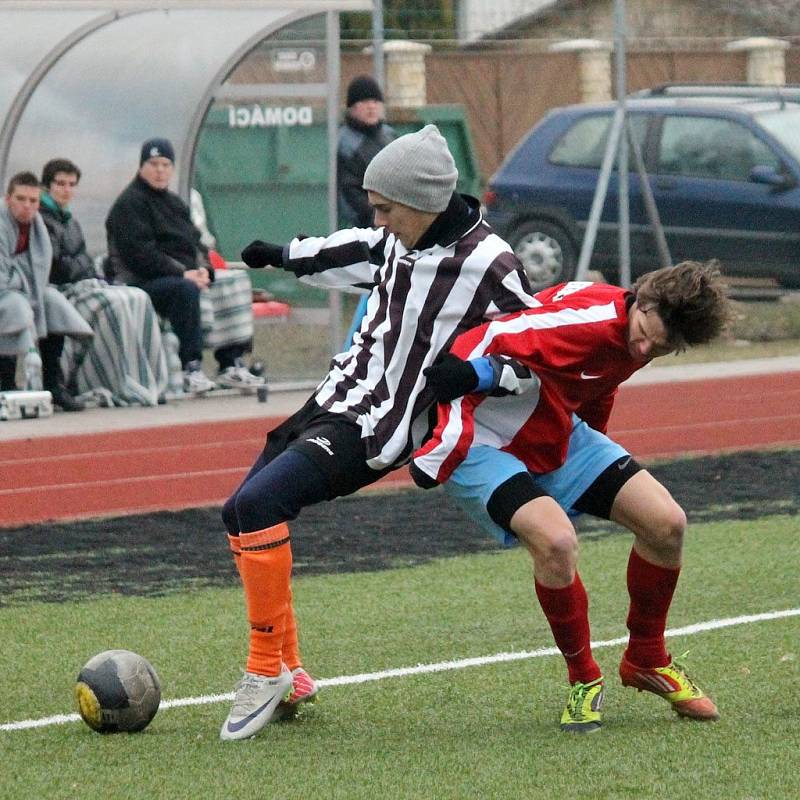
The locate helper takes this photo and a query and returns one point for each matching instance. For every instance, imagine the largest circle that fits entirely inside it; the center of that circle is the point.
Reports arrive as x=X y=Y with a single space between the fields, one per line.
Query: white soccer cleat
x=257 y=698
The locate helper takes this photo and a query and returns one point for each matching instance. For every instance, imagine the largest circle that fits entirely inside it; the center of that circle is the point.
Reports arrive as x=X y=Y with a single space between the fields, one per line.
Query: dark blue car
x=724 y=171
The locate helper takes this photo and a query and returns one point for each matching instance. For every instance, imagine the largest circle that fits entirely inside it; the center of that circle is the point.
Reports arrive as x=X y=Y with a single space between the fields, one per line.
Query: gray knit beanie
x=416 y=170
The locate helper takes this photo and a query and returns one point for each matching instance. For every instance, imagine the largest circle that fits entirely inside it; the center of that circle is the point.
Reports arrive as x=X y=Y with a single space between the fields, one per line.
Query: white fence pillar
x=406 y=86
x=594 y=63
x=766 y=59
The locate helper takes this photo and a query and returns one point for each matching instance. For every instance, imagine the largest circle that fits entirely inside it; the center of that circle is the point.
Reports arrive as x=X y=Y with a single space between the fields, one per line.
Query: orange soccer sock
x=291 y=646
x=265 y=565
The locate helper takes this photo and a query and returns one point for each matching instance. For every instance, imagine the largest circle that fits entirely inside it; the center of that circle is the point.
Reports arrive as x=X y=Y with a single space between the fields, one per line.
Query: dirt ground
x=169 y=551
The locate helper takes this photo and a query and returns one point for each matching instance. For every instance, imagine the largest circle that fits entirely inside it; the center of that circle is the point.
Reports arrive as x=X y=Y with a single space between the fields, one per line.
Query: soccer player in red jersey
x=522 y=465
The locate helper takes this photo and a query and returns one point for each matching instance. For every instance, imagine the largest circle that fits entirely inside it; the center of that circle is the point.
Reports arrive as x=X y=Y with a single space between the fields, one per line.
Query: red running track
x=102 y=474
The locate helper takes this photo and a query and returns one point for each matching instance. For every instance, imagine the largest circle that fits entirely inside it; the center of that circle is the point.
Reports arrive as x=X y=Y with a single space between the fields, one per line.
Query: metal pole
x=377 y=41
x=612 y=147
x=650 y=206
x=622 y=163
x=333 y=61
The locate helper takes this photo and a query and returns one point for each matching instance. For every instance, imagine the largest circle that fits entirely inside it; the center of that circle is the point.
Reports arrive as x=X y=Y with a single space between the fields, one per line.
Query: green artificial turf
x=487 y=731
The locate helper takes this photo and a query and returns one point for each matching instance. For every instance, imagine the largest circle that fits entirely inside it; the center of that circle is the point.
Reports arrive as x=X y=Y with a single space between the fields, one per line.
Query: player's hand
x=450 y=377
x=260 y=254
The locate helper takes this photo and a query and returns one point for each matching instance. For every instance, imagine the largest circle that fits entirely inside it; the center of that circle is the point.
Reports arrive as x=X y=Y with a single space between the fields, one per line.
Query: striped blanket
x=227 y=309
x=125 y=362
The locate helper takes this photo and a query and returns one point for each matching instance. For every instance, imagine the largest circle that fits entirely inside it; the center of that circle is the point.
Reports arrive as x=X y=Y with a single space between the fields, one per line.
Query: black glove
x=450 y=377
x=260 y=254
x=422 y=480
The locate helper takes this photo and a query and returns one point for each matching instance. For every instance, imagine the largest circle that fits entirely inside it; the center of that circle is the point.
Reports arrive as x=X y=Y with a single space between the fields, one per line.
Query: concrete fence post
x=405 y=73
x=766 y=59
x=594 y=64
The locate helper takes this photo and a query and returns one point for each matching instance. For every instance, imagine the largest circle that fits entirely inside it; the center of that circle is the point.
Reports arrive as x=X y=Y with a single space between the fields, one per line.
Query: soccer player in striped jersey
x=522 y=465
x=434 y=269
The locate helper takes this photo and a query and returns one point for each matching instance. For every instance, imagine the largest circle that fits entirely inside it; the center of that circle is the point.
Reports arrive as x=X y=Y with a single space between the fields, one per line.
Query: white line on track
x=442 y=666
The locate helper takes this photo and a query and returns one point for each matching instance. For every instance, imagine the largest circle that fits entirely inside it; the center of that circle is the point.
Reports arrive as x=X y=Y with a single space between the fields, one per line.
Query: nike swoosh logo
x=237 y=726
x=587 y=377
x=624 y=463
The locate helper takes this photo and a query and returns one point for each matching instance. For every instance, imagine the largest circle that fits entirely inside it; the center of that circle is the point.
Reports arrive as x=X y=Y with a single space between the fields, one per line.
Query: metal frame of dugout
x=90 y=81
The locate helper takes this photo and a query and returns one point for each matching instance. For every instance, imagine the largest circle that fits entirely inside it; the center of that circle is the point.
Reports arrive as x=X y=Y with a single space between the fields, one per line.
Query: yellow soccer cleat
x=582 y=714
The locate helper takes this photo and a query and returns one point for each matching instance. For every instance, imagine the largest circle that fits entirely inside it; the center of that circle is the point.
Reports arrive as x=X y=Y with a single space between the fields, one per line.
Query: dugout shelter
x=90 y=80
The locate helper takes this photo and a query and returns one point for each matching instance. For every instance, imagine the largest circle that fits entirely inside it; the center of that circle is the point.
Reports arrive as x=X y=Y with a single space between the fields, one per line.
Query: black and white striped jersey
x=420 y=300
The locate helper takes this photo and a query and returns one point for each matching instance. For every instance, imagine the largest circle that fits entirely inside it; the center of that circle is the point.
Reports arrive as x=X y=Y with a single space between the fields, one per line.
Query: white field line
x=442 y=666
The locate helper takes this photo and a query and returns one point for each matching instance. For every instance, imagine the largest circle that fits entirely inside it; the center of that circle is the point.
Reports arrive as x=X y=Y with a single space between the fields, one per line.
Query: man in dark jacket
x=153 y=244
x=361 y=137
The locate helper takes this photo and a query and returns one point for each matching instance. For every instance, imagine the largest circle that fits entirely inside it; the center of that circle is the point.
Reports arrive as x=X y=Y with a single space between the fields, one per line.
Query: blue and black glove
x=261 y=254
x=450 y=377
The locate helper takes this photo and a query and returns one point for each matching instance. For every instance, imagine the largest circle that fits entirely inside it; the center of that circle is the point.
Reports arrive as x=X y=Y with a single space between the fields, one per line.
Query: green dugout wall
x=262 y=171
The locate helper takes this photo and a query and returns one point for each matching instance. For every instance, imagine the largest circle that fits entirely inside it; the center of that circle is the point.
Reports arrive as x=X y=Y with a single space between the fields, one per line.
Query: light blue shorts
x=485 y=468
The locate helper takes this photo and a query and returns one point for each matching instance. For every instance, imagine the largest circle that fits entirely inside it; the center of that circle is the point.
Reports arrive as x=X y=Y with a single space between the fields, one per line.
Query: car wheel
x=546 y=252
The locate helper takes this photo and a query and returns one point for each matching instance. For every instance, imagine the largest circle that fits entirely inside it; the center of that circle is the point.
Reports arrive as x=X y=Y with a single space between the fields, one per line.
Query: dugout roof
x=90 y=81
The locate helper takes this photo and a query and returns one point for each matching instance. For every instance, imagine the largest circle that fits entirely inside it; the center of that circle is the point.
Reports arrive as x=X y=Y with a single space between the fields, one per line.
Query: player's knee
x=554 y=552
x=229 y=518
x=560 y=550
x=668 y=527
x=257 y=509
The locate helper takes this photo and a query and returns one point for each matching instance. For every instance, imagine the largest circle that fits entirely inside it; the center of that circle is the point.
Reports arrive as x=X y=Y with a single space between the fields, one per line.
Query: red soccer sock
x=650 y=588
x=291 y=645
x=567 y=611
x=265 y=565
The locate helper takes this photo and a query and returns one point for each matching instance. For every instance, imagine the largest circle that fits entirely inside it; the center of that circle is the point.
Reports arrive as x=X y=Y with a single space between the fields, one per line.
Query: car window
x=710 y=147
x=584 y=144
x=784 y=125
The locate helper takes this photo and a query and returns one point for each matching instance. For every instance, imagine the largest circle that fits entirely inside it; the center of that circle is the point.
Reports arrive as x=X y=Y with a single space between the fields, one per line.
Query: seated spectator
x=126 y=358
x=153 y=244
x=31 y=311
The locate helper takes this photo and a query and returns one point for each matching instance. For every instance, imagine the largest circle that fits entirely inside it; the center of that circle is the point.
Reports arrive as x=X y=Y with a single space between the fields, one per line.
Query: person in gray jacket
x=31 y=311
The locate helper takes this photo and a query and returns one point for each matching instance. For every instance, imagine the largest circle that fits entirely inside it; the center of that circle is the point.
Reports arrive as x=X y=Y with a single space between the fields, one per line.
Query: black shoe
x=64 y=400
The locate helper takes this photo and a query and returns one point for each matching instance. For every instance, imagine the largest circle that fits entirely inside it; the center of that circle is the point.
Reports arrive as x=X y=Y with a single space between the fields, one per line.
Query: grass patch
x=766 y=322
x=733 y=350
x=488 y=732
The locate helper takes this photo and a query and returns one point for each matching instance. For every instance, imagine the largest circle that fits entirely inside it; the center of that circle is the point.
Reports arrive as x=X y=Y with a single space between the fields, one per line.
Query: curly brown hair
x=691 y=299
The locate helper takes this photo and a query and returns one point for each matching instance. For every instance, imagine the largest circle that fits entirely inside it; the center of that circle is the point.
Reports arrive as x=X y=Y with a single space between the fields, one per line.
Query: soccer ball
x=117 y=690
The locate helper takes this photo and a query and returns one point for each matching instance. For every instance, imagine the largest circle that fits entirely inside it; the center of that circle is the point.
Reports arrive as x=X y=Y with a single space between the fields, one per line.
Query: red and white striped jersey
x=576 y=343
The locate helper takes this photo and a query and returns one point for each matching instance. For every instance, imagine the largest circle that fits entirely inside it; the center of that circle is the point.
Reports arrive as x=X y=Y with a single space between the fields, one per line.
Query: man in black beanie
x=362 y=136
x=153 y=244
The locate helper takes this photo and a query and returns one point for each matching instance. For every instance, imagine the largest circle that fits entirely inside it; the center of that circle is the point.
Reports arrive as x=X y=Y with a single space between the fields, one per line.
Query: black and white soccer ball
x=117 y=690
